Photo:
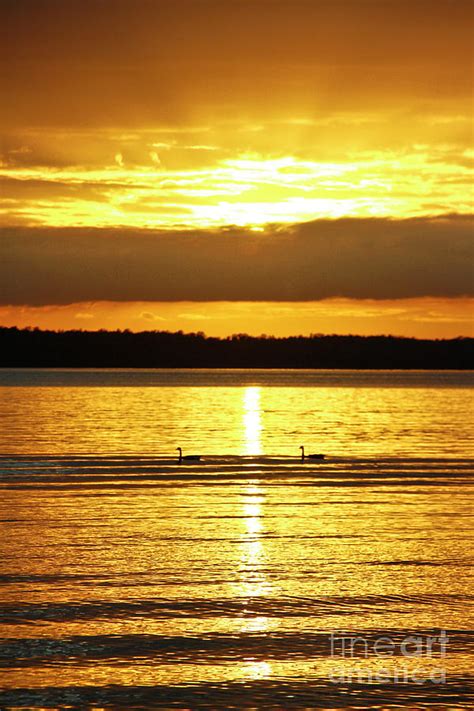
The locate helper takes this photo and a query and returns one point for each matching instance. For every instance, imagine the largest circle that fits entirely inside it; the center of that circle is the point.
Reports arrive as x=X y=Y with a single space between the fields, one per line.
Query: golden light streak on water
x=376 y=418
x=258 y=670
x=254 y=582
x=252 y=420
x=128 y=575
x=252 y=552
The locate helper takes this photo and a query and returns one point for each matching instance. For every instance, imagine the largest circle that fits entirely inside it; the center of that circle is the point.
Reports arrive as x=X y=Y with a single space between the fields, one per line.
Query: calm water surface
x=130 y=581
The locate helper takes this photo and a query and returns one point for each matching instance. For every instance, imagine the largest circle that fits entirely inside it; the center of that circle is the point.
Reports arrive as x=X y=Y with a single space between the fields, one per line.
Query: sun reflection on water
x=252 y=554
x=252 y=571
x=257 y=670
x=252 y=420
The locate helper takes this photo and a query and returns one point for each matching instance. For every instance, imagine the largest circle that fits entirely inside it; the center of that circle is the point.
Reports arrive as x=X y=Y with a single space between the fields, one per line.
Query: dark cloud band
x=356 y=258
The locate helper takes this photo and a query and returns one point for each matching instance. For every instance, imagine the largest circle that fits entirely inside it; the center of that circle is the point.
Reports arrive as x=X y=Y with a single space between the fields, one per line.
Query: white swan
x=188 y=457
x=310 y=456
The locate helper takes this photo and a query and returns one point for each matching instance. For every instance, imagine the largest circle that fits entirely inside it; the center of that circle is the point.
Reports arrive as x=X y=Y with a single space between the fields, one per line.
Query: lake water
x=249 y=579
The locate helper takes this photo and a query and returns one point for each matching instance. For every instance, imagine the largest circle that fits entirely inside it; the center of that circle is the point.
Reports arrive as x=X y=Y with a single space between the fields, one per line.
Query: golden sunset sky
x=230 y=166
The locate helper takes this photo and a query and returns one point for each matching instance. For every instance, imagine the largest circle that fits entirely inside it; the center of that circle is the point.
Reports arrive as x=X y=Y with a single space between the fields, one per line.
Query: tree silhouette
x=162 y=349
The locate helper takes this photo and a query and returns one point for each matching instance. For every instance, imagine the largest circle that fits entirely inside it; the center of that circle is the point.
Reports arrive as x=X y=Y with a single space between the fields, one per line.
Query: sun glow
x=246 y=190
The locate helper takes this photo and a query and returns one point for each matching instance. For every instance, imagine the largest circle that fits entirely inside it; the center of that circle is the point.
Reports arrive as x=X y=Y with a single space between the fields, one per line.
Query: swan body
x=310 y=456
x=187 y=457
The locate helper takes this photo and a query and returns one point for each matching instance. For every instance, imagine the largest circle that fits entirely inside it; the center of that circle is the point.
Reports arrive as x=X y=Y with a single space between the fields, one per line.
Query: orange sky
x=241 y=166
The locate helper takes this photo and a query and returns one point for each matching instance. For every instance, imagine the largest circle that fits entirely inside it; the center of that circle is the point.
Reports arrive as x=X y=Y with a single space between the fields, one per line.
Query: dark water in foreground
x=130 y=581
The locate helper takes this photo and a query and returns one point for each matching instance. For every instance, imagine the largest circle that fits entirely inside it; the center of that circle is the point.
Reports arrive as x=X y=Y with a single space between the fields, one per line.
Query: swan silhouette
x=310 y=456
x=188 y=457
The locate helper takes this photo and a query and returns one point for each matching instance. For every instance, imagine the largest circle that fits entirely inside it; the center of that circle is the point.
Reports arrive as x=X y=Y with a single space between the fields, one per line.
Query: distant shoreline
x=35 y=348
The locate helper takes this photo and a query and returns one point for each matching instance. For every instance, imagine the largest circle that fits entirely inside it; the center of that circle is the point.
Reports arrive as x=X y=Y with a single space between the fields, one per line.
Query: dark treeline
x=161 y=349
